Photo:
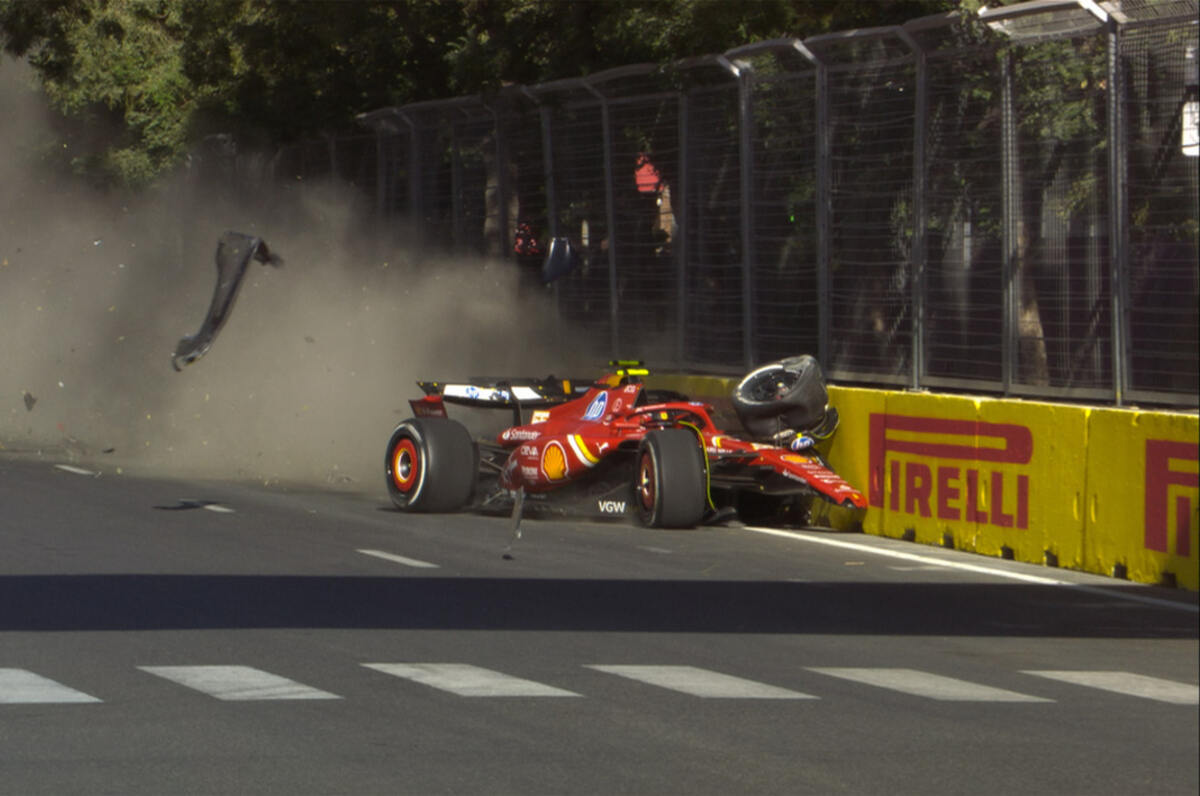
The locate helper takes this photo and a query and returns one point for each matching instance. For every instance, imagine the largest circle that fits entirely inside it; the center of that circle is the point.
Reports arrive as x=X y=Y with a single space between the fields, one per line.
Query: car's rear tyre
x=430 y=465
x=670 y=485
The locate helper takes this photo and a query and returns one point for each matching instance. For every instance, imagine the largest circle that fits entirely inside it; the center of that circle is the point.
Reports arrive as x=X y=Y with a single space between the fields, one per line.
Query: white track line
x=924 y=684
x=701 y=682
x=21 y=687
x=469 y=681
x=1137 y=685
x=237 y=683
x=408 y=562
x=977 y=568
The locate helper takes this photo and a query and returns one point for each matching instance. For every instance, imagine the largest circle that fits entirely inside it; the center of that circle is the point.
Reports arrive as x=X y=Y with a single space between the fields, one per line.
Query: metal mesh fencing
x=870 y=124
x=713 y=287
x=588 y=299
x=1063 y=292
x=785 y=307
x=1159 y=105
x=1002 y=203
x=964 y=210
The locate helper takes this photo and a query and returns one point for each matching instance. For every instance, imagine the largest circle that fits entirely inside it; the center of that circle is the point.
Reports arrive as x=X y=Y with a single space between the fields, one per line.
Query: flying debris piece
x=234 y=252
x=29 y=401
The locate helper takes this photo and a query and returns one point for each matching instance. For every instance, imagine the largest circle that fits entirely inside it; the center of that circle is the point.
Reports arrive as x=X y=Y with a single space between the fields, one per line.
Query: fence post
x=456 y=188
x=502 y=186
x=610 y=219
x=918 y=248
x=746 y=162
x=548 y=168
x=1118 y=229
x=680 y=237
x=381 y=209
x=415 y=204
x=740 y=72
x=1011 y=201
x=823 y=217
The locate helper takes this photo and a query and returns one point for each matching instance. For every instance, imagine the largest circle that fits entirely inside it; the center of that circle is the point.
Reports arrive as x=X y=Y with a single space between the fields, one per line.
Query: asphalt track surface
x=164 y=636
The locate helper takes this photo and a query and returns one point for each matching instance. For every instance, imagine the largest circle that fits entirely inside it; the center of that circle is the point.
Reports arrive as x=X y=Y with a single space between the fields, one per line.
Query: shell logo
x=554 y=462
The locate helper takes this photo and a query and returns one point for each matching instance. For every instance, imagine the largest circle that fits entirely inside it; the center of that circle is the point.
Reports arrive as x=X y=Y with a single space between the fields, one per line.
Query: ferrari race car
x=614 y=447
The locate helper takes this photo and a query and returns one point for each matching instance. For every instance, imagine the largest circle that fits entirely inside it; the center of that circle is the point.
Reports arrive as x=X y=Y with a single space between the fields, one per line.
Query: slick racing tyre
x=670 y=486
x=788 y=394
x=430 y=465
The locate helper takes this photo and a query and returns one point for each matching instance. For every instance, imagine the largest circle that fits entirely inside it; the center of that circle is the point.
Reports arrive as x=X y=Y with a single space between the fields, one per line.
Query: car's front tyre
x=670 y=484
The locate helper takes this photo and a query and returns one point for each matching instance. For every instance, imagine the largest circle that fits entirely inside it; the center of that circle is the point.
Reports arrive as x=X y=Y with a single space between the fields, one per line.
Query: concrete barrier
x=1109 y=491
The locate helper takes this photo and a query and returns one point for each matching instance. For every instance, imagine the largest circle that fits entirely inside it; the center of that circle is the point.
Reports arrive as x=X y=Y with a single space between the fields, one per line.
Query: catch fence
x=1004 y=202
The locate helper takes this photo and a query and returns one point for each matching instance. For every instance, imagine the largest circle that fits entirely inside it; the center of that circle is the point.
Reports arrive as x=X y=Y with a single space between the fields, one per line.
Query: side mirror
x=561 y=259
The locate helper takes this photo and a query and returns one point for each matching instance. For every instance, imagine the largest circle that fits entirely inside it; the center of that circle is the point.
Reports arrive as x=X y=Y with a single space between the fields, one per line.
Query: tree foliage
x=147 y=78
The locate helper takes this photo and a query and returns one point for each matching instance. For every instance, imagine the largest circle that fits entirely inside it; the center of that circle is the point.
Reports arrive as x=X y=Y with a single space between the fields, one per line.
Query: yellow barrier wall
x=1143 y=496
x=1110 y=491
x=989 y=476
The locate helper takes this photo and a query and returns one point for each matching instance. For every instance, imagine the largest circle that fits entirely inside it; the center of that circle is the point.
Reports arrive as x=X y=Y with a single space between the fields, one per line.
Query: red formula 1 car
x=616 y=447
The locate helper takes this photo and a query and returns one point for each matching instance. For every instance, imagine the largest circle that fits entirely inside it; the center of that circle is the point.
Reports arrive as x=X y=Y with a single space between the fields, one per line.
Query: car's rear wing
x=517 y=393
x=514 y=394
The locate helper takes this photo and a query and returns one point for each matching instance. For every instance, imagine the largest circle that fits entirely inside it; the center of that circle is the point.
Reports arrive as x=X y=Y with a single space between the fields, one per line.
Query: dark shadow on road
x=203 y=602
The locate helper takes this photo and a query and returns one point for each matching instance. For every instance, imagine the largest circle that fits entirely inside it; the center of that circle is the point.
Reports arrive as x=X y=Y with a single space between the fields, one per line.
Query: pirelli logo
x=966 y=482
x=1171 y=492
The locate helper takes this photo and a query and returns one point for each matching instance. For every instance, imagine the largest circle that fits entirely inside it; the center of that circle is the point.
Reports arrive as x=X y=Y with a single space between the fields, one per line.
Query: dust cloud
x=314 y=367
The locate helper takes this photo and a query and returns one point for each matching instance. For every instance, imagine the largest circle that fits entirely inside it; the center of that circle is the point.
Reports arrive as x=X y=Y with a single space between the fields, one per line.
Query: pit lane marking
x=976 y=568
x=408 y=562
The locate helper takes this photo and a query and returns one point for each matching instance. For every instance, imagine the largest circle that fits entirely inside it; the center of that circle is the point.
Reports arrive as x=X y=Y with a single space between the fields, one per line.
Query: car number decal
x=596 y=408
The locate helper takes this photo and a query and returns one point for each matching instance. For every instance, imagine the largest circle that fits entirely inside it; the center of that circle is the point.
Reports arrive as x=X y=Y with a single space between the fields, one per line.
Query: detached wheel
x=789 y=393
x=670 y=487
x=430 y=465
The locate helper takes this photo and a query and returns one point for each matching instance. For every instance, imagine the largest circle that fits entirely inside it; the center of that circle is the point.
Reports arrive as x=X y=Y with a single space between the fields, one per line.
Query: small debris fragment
x=29 y=401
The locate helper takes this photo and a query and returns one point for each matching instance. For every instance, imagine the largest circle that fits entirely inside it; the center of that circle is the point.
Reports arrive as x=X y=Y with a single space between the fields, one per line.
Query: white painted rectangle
x=21 y=687
x=701 y=682
x=237 y=683
x=1137 y=685
x=469 y=681
x=925 y=684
